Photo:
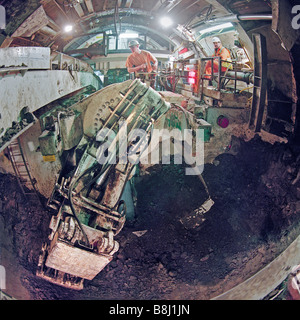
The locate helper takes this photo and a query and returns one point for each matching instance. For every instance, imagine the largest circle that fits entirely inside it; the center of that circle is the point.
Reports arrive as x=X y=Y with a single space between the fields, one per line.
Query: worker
x=222 y=52
x=140 y=61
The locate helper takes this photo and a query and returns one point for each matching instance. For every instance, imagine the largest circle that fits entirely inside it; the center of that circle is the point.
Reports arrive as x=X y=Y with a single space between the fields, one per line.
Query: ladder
x=22 y=172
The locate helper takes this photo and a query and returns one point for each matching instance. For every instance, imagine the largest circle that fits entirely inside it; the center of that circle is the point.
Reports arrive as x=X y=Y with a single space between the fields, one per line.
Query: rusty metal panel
x=32 y=24
x=99 y=109
x=281 y=23
x=30 y=90
x=75 y=261
x=172 y=97
x=114 y=189
x=249 y=7
x=226 y=99
x=29 y=57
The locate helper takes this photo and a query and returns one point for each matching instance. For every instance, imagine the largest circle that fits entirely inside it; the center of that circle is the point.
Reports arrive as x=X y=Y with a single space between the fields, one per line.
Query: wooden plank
x=105 y=5
x=7 y=42
x=55 y=12
x=32 y=24
x=79 y=10
x=128 y=3
x=89 y=5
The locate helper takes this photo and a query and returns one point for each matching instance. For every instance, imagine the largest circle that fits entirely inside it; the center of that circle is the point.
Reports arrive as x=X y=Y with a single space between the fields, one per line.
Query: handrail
x=219 y=73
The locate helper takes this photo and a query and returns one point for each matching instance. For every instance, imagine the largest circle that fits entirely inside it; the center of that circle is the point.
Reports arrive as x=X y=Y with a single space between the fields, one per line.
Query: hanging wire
x=206 y=16
x=198 y=14
x=117 y=19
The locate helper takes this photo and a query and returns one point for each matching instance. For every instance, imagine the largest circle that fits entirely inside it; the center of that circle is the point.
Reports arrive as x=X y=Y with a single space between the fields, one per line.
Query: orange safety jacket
x=224 y=53
x=136 y=59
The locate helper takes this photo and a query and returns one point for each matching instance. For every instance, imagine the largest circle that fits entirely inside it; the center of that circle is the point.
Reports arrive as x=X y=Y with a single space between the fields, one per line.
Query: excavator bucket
x=197 y=217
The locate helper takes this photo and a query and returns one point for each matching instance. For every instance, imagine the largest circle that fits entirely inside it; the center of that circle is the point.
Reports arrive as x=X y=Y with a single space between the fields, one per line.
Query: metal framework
x=21 y=168
x=260 y=82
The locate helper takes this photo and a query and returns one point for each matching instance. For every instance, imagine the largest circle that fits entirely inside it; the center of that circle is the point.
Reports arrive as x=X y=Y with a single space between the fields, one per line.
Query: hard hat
x=133 y=43
x=216 y=39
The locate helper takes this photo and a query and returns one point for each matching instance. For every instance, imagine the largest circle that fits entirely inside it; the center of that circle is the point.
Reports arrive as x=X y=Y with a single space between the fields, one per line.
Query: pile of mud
x=256 y=190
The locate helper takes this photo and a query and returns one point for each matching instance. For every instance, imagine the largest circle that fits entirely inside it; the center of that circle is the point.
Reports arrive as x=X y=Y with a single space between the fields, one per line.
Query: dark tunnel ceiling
x=94 y=16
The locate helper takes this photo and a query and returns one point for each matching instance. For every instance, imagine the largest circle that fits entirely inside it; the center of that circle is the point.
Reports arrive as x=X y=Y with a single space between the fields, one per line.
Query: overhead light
x=128 y=35
x=218 y=27
x=166 y=22
x=68 y=28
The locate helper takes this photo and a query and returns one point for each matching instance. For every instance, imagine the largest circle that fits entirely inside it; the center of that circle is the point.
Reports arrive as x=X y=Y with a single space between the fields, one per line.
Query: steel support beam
x=259 y=82
x=263 y=282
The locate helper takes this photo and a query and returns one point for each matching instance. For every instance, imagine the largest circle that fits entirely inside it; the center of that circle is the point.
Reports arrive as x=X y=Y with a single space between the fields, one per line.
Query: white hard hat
x=133 y=43
x=216 y=39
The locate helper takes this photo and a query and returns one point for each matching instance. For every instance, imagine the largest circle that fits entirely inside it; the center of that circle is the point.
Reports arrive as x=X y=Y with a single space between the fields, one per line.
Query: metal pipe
x=250 y=17
x=237 y=18
x=231 y=18
x=240 y=76
x=49 y=31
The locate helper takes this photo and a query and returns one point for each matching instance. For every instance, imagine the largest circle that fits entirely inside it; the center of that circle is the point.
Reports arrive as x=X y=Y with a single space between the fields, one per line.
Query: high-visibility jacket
x=224 y=53
x=136 y=59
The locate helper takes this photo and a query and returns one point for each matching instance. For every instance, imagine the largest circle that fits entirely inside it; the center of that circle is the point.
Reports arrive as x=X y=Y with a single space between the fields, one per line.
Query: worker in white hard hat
x=140 y=60
x=216 y=41
x=222 y=52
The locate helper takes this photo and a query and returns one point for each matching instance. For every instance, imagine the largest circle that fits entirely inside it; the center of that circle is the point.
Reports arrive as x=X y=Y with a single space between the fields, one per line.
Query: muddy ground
x=256 y=189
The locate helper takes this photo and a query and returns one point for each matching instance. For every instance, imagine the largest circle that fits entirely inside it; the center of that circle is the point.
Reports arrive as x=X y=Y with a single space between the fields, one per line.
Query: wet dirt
x=256 y=190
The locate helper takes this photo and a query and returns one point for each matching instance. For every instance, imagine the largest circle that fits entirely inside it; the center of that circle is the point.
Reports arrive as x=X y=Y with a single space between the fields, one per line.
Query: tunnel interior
x=253 y=177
